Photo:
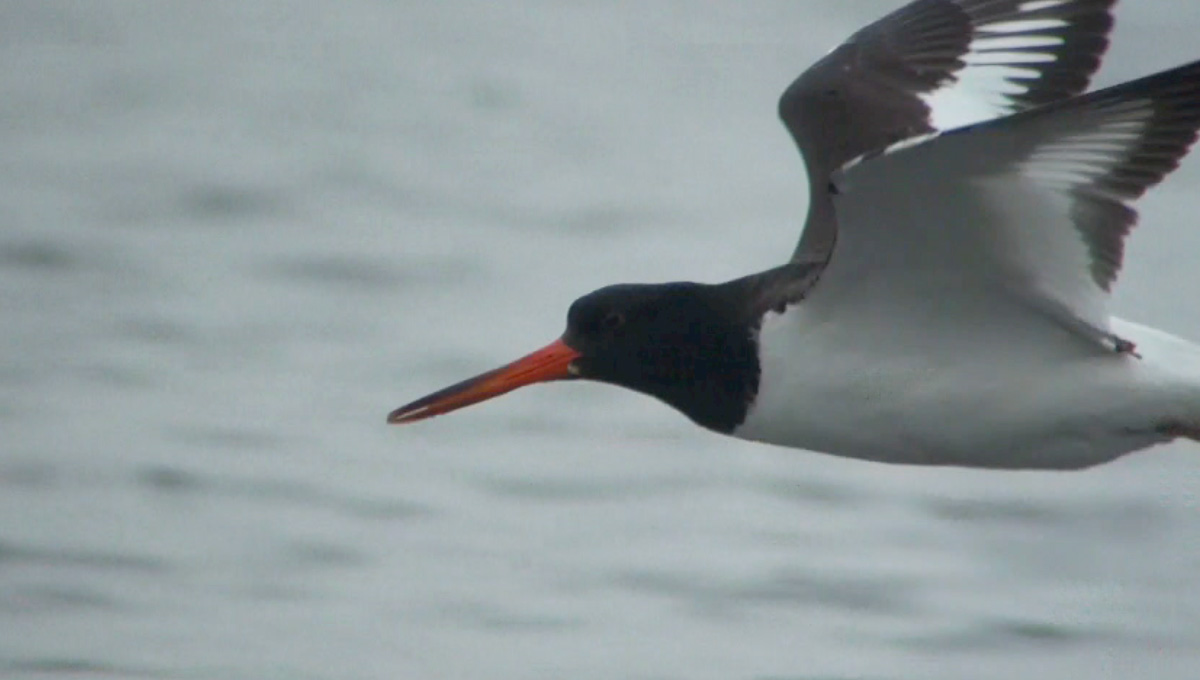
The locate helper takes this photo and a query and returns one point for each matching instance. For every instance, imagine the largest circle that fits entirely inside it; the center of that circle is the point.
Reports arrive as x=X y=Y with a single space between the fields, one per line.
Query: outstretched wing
x=1029 y=211
x=931 y=66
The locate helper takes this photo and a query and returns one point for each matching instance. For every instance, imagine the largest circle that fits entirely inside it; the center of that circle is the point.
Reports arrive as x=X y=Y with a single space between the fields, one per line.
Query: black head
x=687 y=344
x=691 y=345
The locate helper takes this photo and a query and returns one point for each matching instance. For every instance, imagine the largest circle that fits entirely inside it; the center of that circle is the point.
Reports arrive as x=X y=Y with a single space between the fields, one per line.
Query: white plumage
x=963 y=315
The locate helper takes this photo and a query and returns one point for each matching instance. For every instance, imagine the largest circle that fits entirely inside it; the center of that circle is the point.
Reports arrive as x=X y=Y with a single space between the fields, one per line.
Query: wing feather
x=930 y=66
x=1035 y=206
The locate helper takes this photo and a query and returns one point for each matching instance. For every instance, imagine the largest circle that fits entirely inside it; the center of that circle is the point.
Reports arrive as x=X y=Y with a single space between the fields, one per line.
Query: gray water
x=234 y=235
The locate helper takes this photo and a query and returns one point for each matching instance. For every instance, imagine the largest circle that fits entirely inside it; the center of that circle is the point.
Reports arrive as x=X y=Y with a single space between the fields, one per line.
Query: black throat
x=716 y=385
x=693 y=346
x=679 y=345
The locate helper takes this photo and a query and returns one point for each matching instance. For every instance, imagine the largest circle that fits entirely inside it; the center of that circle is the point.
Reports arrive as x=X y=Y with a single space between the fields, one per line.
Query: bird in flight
x=947 y=303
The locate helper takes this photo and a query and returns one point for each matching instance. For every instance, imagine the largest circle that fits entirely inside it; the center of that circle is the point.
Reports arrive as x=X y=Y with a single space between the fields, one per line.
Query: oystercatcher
x=948 y=300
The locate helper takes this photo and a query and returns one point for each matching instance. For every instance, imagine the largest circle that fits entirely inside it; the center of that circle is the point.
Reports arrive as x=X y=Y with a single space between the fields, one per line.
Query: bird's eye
x=612 y=321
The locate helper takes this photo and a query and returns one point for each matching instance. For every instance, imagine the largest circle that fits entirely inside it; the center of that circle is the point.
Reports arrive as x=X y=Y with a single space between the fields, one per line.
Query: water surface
x=235 y=235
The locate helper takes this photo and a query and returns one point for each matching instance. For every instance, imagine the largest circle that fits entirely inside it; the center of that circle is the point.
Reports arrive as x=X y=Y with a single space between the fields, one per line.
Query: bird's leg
x=1123 y=346
x=1101 y=334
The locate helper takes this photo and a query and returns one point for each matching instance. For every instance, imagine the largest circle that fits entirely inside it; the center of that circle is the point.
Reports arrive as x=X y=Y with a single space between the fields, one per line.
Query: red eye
x=612 y=321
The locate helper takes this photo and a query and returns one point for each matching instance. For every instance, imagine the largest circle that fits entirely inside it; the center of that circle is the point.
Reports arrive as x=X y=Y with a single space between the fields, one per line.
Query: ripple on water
x=321 y=555
x=168 y=479
x=37 y=255
x=812 y=491
x=17 y=554
x=835 y=591
x=112 y=374
x=227 y=203
x=860 y=594
x=1117 y=517
x=308 y=495
x=42 y=599
x=226 y=438
x=576 y=489
x=29 y=473
x=493 y=617
x=75 y=668
x=368 y=273
x=292 y=566
x=1009 y=634
x=157 y=330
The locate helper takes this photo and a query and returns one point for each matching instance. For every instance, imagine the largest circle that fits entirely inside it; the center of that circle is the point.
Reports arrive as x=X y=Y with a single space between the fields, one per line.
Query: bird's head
x=691 y=345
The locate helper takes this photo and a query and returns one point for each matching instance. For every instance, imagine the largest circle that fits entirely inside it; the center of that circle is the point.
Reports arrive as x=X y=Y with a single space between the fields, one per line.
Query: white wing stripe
x=1004 y=59
x=993 y=72
x=934 y=65
x=1038 y=5
x=1080 y=159
x=1016 y=42
x=1033 y=208
x=1022 y=26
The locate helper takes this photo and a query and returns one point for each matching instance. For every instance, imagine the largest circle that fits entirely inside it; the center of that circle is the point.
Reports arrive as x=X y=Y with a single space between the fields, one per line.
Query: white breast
x=998 y=397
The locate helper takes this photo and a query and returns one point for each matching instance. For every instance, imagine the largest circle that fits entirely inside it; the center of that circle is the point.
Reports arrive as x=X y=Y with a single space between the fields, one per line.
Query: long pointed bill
x=551 y=362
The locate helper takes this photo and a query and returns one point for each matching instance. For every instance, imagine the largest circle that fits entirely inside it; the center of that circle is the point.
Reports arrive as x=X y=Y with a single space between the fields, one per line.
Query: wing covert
x=931 y=66
x=1033 y=208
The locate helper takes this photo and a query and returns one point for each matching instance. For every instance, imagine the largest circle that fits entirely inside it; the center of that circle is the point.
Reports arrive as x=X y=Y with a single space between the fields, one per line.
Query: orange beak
x=552 y=362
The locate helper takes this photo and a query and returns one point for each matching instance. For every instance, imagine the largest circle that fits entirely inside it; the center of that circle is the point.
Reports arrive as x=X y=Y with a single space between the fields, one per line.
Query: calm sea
x=234 y=235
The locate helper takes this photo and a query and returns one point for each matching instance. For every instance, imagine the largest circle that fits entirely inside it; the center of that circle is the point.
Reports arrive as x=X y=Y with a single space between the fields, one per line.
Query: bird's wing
x=1033 y=208
x=931 y=66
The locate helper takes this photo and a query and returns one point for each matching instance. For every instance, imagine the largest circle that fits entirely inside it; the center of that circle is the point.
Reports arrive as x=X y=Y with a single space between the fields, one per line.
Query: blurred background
x=234 y=235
